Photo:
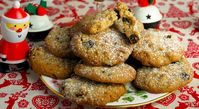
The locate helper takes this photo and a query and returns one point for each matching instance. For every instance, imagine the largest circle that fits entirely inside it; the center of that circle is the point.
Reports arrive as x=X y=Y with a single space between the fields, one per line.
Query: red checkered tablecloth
x=26 y=90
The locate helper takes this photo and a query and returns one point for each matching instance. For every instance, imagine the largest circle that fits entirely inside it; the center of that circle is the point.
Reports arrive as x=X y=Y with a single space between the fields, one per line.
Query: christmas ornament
x=148 y=13
x=13 y=45
x=40 y=25
x=41 y=11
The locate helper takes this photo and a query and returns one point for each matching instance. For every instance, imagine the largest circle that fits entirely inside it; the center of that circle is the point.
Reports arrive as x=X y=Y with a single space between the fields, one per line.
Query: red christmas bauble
x=41 y=11
x=143 y=3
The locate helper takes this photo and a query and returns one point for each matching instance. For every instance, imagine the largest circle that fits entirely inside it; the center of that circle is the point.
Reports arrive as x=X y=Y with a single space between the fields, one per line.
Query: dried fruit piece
x=133 y=39
x=185 y=76
x=89 y=44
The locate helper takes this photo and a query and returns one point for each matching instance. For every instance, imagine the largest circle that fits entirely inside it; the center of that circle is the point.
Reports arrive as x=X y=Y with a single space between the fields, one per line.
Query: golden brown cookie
x=44 y=63
x=127 y=23
x=157 y=48
x=121 y=73
x=109 y=47
x=83 y=91
x=58 y=42
x=166 y=78
x=97 y=22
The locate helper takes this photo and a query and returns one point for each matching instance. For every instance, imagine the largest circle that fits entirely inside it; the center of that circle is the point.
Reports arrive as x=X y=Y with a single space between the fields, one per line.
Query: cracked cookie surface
x=127 y=23
x=97 y=22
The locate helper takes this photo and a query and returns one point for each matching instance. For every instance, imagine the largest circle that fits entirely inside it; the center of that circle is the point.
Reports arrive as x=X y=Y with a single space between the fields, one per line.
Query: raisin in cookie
x=157 y=48
x=44 y=63
x=97 y=22
x=83 y=91
x=121 y=73
x=109 y=47
x=127 y=23
x=58 y=42
x=164 y=79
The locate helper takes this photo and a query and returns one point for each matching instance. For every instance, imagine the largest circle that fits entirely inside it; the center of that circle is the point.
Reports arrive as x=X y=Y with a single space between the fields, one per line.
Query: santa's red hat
x=15 y=14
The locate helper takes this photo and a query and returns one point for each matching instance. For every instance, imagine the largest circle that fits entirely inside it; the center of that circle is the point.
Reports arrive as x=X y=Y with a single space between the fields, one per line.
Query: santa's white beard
x=12 y=36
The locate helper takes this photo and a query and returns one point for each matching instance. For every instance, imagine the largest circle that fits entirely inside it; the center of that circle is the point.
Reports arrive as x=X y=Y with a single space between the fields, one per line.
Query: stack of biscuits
x=163 y=66
x=101 y=74
x=92 y=58
x=53 y=58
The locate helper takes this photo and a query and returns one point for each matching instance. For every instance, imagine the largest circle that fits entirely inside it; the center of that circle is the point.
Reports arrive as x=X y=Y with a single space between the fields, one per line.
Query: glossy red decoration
x=144 y=3
x=41 y=11
x=16 y=13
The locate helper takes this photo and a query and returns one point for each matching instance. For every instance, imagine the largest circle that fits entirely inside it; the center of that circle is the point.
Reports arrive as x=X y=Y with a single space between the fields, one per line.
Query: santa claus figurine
x=148 y=13
x=13 y=45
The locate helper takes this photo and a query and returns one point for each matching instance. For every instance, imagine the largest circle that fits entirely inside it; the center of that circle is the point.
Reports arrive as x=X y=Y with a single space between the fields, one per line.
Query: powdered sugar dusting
x=160 y=42
x=121 y=73
x=159 y=46
x=58 y=42
x=85 y=91
x=166 y=78
x=110 y=47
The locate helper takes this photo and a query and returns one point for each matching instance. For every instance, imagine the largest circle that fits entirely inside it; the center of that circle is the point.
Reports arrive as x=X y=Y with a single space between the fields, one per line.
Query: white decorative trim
x=141 y=13
x=2 y=55
x=13 y=62
x=40 y=23
x=11 y=20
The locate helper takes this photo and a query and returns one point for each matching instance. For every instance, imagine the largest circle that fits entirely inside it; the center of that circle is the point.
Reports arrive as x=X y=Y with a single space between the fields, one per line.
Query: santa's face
x=14 y=32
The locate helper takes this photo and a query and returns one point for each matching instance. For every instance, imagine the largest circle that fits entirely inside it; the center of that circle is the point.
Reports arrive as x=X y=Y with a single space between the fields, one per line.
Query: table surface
x=26 y=90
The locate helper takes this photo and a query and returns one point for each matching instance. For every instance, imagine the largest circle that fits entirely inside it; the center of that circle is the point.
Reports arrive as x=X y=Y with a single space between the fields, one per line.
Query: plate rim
x=51 y=89
x=114 y=106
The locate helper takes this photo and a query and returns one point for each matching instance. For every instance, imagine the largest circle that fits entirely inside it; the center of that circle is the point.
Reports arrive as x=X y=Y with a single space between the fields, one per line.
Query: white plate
x=132 y=98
